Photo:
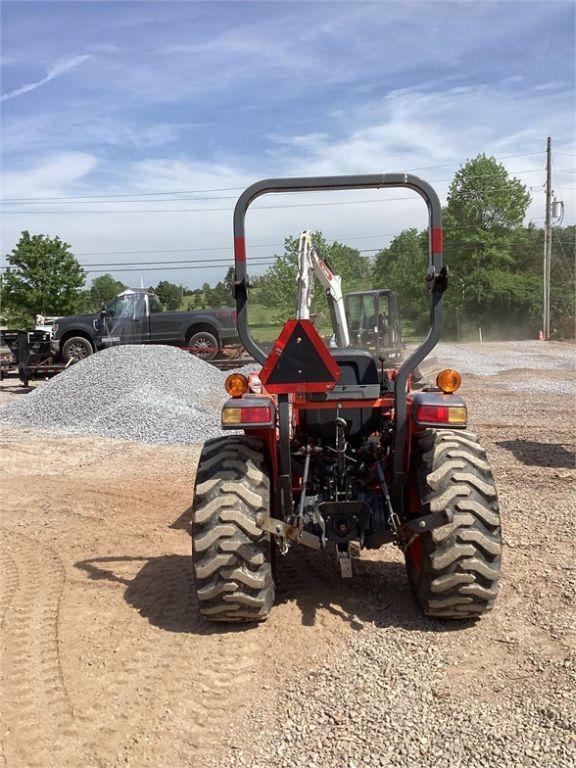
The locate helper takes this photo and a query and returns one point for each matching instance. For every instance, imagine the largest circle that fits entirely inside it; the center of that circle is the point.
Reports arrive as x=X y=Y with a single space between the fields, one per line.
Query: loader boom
x=310 y=265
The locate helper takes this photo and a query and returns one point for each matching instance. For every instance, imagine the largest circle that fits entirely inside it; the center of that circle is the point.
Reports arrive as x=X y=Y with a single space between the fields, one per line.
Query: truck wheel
x=204 y=345
x=76 y=347
x=454 y=570
x=231 y=555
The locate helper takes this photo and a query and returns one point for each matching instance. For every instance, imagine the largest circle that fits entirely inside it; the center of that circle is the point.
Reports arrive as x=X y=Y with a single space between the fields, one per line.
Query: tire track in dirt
x=8 y=582
x=223 y=687
x=197 y=710
x=190 y=696
x=37 y=711
x=230 y=657
x=8 y=587
x=115 y=722
x=165 y=595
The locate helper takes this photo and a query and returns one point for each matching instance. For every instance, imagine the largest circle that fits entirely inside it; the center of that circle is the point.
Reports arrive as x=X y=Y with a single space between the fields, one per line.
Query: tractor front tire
x=231 y=554
x=454 y=570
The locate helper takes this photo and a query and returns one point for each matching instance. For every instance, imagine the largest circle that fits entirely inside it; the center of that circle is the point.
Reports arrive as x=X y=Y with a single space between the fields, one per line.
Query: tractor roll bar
x=436 y=275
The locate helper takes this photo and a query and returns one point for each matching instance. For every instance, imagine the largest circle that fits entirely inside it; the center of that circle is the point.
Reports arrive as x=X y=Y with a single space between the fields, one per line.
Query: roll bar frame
x=436 y=276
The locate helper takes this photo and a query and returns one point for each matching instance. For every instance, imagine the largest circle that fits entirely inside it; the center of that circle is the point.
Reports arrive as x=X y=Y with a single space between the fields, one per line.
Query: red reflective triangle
x=299 y=361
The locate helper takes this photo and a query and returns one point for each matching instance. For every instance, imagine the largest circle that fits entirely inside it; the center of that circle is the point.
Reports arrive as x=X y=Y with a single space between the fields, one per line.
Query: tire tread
x=460 y=569
x=231 y=554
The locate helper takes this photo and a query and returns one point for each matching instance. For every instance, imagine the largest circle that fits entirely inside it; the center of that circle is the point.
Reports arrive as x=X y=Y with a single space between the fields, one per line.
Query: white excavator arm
x=310 y=265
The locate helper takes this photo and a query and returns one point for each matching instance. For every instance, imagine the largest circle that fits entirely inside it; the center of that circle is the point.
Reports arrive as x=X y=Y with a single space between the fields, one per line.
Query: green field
x=264 y=326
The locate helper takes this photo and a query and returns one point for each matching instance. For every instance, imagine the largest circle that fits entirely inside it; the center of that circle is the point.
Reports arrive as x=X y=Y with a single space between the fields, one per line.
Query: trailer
x=30 y=356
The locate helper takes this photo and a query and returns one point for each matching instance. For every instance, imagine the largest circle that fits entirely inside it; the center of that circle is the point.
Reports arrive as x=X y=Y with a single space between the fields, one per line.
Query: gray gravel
x=152 y=394
x=544 y=386
x=493 y=357
x=382 y=703
x=410 y=692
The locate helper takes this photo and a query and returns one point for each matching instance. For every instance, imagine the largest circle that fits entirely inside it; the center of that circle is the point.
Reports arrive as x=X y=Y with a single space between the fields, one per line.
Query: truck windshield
x=125 y=306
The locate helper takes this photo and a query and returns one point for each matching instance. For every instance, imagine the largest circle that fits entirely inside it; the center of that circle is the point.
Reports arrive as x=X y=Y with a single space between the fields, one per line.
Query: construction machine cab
x=374 y=322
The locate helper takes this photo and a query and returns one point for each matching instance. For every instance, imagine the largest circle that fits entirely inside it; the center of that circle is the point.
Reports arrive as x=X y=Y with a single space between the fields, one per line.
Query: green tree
x=43 y=278
x=279 y=286
x=402 y=268
x=169 y=294
x=483 y=221
x=562 y=283
x=229 y=279
x=104 y=289
x=280 y=282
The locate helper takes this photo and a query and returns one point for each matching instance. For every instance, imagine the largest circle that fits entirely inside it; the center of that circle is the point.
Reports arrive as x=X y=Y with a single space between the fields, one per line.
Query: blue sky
x=132 y=98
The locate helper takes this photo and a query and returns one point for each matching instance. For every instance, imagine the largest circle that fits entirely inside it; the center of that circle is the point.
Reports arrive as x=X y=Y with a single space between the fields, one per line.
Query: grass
x=264 y=327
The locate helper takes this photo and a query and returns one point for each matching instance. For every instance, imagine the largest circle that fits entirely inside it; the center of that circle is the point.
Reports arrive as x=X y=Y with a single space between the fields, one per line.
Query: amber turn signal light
x=236 y=384
x=448 y=381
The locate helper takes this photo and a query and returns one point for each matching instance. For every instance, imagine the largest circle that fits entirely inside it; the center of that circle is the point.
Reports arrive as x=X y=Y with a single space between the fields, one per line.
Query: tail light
x=249 y=412
x=435 y=409
x=441 y=414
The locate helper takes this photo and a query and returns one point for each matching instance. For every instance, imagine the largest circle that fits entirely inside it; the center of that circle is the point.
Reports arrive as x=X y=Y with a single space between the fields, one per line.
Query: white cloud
x=52 y=177
x=406 y=130
x=56 y=71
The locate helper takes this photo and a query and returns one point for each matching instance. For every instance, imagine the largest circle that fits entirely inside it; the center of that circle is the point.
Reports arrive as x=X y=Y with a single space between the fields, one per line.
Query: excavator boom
x=311 y=266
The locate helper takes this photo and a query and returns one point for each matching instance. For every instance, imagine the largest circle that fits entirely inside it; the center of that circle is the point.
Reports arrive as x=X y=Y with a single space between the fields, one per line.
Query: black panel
x=357 y=366
x=360 y=422
x=299 y=362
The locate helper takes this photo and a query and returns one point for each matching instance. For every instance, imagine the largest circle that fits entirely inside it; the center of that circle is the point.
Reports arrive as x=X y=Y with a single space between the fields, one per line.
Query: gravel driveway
x=105 y=661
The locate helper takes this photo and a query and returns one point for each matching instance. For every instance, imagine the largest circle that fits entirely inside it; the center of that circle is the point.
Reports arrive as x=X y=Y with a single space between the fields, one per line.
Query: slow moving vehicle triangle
x=299 y=361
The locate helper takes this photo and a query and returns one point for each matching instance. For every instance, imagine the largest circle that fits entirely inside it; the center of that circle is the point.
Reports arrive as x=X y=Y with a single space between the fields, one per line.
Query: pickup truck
x=137 y=317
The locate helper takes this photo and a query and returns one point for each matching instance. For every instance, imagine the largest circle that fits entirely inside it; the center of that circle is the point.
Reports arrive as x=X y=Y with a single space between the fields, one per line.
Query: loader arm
x=309 y=265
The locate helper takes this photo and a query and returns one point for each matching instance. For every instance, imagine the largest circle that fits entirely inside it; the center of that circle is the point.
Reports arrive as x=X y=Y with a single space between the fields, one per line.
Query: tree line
x=495 y=264
x=494 y=260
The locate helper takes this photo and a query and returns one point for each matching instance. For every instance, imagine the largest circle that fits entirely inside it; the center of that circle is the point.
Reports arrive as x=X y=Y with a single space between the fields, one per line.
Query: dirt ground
x=105 y=661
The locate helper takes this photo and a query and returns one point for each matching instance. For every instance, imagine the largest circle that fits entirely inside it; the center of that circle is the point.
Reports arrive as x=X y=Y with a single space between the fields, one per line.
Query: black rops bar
x=435 y=275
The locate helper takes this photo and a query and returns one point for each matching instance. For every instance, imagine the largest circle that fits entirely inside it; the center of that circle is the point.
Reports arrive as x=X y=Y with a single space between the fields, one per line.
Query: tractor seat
x=358 y=380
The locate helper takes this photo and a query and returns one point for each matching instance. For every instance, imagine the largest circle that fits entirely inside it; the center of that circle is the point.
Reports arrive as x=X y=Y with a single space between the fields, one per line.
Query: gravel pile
x=151 y=394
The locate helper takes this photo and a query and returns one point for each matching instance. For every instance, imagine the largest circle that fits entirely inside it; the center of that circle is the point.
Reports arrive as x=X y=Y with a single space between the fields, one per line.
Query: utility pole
x=547 y=240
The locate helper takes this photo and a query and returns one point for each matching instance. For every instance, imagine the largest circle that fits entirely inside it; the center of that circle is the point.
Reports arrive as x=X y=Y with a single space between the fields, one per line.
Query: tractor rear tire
x=231 y=554
x=454 y=570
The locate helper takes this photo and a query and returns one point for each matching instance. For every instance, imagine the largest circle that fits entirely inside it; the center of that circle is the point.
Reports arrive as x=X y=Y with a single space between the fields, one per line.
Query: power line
x=223 y=262
x=99 y=199
x=218 y=189
x=229 y=250
x=564 y=255
x=219 y=248
x=211 y=210
x=151 y=269
x=257 y=208
x=124 y=194
x=253 y=245
x=342 y=239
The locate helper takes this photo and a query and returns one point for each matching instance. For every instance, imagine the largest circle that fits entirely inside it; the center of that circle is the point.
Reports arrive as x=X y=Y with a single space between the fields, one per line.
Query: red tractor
x=339 y=451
